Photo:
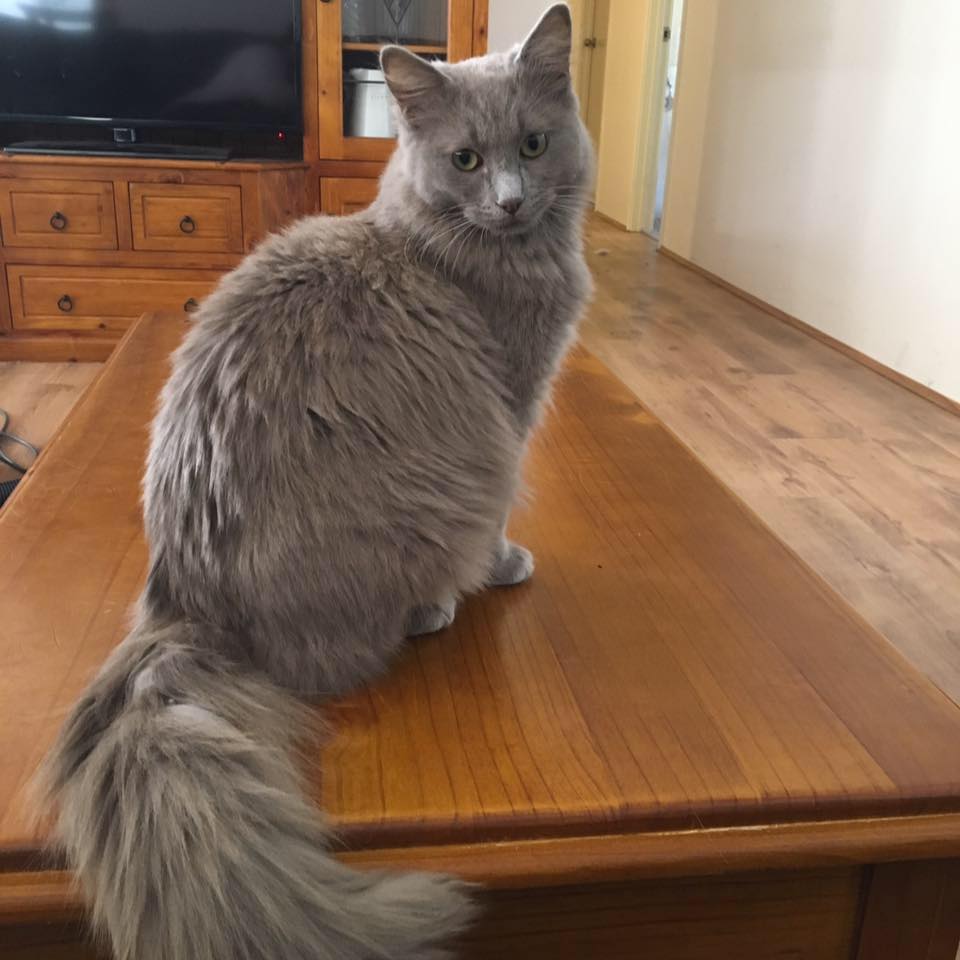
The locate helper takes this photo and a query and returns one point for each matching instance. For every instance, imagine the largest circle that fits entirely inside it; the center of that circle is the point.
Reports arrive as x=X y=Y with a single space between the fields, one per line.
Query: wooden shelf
x=415 y=47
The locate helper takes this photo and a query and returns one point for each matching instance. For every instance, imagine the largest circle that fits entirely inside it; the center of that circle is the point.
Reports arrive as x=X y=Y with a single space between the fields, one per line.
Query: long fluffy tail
x=181 y=810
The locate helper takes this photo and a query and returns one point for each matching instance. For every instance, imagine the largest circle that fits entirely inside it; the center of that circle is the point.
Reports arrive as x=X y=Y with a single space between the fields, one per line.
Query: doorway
x=590 y=18
x=666 y=124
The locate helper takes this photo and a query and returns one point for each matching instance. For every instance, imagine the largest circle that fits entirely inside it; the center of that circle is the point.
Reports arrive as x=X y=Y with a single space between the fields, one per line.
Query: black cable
x=13 y=438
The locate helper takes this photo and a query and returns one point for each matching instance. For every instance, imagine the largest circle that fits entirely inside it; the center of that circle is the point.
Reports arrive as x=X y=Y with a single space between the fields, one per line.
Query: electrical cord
x=6 y=437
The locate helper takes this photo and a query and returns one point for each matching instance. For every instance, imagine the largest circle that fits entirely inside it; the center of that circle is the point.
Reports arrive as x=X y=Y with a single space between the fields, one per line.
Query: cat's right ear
x=416 y=85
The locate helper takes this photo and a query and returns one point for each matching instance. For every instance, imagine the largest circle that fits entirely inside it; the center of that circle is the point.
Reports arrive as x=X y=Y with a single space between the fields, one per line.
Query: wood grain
x=60 y=347
x=912 y=912
x=5 y=322
x=329 y=81
x=753 y=917
x=671 y=666
x=851 y=471
x=38 y=396
x=158 y=212
x=765 y=916
x=85 y=212
x=134 y=208
x=481 y=27
x=309 y=80
x=109 y=300
x=345 y=195
x=50 y=941
x=460 y=14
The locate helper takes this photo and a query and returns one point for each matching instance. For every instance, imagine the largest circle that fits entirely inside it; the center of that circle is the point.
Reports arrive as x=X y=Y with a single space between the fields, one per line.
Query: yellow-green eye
x=467 y=160
x=533 y=145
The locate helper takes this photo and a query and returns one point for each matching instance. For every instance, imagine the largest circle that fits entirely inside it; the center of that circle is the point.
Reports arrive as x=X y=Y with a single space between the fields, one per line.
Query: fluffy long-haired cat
x=331 y=467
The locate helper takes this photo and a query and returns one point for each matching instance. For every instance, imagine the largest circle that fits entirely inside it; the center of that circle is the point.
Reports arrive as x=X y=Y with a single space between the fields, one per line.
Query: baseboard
x=610 y=220
x=945 y=403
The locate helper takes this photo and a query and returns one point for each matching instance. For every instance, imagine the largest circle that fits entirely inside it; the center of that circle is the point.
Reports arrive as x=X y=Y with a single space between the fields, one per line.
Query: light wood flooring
x=857 y=475
x=38 y=396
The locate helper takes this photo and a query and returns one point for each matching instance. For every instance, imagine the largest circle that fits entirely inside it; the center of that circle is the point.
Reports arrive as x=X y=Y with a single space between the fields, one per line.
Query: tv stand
x=137 y=150
x=88 y=243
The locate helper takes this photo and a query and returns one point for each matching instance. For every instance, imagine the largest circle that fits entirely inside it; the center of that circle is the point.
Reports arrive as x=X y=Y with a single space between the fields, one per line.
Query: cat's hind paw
x=430 y=617
x=513 y=566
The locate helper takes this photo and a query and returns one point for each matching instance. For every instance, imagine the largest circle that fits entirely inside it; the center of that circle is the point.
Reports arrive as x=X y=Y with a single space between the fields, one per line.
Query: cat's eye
x=533 y=145
x=467 y=160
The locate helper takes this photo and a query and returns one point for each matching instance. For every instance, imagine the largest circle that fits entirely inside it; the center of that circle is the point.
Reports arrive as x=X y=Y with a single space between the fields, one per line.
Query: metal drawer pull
x=58 y=221
x=65 y=303
x=191 y=306
x=188 y=225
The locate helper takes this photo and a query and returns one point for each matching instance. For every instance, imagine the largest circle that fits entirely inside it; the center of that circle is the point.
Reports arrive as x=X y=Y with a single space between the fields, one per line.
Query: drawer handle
x=191 y=305
x=58 y=221
x=188 y=225
x=65 y=303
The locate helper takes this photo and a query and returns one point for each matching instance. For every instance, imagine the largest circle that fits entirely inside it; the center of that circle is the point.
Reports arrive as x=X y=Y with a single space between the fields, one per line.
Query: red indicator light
x=281 y=135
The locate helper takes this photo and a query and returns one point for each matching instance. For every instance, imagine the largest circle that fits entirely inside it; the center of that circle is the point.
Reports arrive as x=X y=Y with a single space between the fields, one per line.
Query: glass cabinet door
x=356 y=119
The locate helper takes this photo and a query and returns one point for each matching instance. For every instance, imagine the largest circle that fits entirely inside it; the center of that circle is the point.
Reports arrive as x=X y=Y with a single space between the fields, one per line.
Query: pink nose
x=511 y=206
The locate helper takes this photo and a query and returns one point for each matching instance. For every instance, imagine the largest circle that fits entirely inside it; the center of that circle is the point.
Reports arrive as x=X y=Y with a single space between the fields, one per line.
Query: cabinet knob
x=58 y=221
x=65 y=303
x=188 y=225
x=191 y=305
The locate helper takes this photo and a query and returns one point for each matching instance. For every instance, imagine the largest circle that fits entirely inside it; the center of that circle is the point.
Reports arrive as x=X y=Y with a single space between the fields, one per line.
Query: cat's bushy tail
x=181 y=810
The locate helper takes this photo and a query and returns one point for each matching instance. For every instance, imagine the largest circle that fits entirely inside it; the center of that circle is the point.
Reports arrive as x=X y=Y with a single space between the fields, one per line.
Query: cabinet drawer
x=175 y=216
x=340 y=196
x=58 y=213
x=99 y=298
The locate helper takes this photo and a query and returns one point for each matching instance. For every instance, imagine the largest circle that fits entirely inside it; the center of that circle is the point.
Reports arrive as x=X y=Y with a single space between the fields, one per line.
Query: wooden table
x=675 y=742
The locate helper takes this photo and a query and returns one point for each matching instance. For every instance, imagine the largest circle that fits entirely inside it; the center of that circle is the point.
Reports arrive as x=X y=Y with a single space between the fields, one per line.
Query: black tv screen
x=228 y=64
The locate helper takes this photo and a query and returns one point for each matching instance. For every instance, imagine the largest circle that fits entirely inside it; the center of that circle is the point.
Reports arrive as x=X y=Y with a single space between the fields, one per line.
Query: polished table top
x=672 y=672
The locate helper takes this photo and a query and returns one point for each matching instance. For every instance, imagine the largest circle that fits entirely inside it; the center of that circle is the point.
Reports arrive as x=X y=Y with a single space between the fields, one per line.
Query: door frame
x=651 y=118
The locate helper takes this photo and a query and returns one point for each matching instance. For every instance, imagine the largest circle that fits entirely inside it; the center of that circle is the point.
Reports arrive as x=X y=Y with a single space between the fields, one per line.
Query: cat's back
x=331 y=276
x=329 y=335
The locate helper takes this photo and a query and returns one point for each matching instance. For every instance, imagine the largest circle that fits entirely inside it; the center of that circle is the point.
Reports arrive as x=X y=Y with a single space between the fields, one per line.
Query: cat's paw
x=430 y=617
x=513 y=566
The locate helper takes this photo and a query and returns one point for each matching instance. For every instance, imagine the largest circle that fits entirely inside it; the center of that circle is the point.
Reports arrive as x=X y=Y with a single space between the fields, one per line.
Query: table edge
x=51 y=894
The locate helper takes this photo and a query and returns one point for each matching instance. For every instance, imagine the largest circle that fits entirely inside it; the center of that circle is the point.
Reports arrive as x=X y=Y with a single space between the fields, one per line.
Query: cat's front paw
x=430 y=618
x=513 y=566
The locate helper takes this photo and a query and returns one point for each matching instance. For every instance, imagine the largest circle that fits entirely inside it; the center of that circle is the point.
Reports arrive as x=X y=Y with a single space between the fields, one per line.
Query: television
x=152 y=77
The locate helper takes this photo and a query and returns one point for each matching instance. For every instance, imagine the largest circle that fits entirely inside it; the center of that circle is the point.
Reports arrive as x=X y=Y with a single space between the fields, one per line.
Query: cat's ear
x=415 y=84
x=547 y=47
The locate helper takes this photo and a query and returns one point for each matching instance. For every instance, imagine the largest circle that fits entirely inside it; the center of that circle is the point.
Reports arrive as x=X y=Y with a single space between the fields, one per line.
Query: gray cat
x=332 y=465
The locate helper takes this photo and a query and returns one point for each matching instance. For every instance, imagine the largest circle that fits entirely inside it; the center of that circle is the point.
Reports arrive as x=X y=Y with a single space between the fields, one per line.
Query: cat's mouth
x=509 y=226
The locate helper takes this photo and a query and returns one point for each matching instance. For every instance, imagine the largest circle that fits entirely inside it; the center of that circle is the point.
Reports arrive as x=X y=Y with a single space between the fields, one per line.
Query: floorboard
x=37 y=396
x=856 y=474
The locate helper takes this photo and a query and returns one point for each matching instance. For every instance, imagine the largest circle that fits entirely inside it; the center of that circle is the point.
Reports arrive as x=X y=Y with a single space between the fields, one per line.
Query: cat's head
x=496 y=139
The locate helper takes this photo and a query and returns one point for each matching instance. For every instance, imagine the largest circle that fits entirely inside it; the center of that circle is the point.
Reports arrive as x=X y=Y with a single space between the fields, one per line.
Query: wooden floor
x=38 y=396
x=860 y=477
x=857 y=475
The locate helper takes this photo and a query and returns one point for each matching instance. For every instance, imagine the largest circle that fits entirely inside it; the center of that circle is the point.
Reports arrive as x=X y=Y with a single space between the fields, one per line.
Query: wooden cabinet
x=176 y=216
x=109 y=300
x=58 y=213
x=89 y=243
x=351 y=114
x=340 y=196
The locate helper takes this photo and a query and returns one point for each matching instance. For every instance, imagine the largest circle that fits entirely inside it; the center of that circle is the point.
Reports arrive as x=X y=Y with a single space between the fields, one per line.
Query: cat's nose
x=511 y=205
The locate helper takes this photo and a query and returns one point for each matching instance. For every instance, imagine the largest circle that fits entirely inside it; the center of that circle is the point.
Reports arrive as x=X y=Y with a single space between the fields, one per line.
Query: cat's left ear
x=415 y=84
x=547 y=47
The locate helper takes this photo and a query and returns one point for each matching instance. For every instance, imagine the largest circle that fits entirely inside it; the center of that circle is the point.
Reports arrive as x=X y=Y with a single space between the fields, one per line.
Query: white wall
x=512 y=20
x=815 y=163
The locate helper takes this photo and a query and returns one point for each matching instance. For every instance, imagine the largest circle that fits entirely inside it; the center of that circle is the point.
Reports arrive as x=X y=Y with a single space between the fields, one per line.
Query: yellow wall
x=623 y=105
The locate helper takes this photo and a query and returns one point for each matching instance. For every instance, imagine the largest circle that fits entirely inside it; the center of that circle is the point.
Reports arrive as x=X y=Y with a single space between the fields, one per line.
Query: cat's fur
x=331 y=467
